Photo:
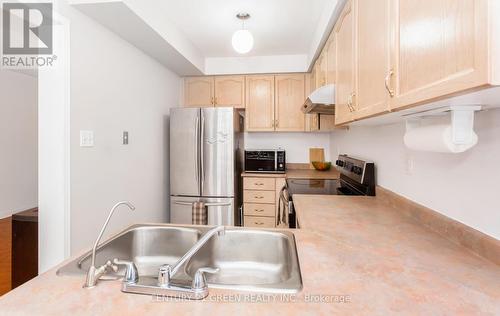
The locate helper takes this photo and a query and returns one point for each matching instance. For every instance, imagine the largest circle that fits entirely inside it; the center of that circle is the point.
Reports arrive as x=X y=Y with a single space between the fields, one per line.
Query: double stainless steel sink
x=248 y=259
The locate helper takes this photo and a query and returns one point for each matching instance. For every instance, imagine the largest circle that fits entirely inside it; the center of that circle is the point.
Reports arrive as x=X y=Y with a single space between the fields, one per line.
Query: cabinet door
x=230 y=91
x=441 y=48
x=321 y=70
x=373 y=60
x=290 y=96
x=312 y=120
x=199 y=91
x=331 y=59
x=344 y=36
x=259 y=116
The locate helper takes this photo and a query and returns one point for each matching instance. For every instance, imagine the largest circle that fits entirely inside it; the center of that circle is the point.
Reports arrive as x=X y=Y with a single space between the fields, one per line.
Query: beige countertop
x=359 y=250
x=297 y=174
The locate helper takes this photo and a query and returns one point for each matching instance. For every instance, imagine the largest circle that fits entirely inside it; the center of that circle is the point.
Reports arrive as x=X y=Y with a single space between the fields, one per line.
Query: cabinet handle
x=258 y=197
x=258 y=223
x=277 y=123
x=259 y=183
x=215 y=101
x=388 y=84
x=349 y=102
x=260 y=211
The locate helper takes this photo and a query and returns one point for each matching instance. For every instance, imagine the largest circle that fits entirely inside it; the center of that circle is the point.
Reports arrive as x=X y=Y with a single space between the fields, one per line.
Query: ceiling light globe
x=242 y=41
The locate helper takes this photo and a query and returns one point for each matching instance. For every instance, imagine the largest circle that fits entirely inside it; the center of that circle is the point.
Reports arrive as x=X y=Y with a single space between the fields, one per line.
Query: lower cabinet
x=260 y=197
x=5 y=255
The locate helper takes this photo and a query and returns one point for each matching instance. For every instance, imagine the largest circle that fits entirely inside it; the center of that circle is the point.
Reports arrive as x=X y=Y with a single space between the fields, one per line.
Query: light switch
x=86 y=139
x=125 y=138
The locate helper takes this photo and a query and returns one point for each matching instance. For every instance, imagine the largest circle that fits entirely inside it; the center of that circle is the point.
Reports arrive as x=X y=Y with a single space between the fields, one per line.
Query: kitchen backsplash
x=296 y=144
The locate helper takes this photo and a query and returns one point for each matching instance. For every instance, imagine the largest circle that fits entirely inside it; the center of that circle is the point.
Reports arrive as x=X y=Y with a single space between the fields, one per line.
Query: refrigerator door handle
x=202 y=149
x=196 y=149
x=184 y=203
x=217 y=204
x=206 y=204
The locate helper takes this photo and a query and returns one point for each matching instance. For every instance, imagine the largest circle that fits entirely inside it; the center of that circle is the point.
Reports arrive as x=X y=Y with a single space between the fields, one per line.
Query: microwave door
x=185 y=151
x=217 y=152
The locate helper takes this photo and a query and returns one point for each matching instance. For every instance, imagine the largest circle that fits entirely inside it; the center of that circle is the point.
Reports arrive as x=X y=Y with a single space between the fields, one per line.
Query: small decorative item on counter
x=322 y=165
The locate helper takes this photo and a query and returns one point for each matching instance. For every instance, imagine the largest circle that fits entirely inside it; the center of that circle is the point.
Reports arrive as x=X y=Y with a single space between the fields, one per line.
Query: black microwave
x=272 y=161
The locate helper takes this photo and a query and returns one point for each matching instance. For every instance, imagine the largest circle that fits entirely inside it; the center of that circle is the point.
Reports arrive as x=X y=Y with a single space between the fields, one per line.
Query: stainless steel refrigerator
x=206 y=150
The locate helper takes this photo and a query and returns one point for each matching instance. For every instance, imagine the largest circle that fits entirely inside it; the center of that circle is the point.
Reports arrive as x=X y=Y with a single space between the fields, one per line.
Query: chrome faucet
x=219 y=230
x=164 y=285
x=94 y=274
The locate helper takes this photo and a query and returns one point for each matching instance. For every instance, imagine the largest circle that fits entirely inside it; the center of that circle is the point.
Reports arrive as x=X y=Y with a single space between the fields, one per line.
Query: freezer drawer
x=220 y=210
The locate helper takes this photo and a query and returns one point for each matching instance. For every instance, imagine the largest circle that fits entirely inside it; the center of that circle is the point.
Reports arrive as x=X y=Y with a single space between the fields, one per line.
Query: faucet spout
x=93 y=274
x=218 y=230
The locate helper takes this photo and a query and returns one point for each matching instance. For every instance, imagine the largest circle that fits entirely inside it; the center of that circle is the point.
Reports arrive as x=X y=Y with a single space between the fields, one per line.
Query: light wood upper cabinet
x=290 y=96
x=344 y=94
x=321 y=69
x=259 y=116
x=230 y=91
x=372 y=57
x=199 y=91
x=440 y=48
x=331 y=59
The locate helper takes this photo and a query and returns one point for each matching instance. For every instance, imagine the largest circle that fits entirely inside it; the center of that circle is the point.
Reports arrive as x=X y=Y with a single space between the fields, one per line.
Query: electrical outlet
x=86 y=139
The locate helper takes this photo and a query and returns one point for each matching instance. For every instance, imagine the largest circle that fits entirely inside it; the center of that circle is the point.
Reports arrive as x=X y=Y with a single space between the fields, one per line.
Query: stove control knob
x=358 y=171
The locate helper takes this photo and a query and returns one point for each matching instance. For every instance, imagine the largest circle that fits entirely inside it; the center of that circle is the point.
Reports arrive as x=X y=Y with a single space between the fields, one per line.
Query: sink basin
x=249 y=259
x=148 y=246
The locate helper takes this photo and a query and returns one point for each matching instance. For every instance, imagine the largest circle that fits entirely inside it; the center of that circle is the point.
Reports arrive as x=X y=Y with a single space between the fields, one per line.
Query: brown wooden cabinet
x=371 y=57
x=440 y=48
x=214 y=91
x=230 y=91
x=290 y=96
x=259 y=116
x=345 y=78
x=5 y=255
x=331 y=59
x=24 y=246
x=198 y=91
x=259 y=198
x=395 y=54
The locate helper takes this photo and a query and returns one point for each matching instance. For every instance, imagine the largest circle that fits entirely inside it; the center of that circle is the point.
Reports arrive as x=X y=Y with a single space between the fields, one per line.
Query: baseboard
x=459 y=233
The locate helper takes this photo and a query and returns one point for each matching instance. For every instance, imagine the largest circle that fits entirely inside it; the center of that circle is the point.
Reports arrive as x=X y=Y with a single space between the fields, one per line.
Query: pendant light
x=242 y=39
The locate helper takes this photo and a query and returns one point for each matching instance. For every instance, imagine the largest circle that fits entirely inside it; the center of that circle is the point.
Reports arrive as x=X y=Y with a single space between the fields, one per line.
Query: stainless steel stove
x=357 y=177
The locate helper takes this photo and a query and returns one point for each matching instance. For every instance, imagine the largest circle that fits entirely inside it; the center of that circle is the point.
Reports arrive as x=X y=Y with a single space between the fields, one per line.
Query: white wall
x=296 y=144
x=256 y=64
x=115 y=88
x=464 y=186
x=18 y=142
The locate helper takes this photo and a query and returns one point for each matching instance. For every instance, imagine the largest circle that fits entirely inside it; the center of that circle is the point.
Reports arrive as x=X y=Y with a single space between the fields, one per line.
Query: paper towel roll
x=436 y=138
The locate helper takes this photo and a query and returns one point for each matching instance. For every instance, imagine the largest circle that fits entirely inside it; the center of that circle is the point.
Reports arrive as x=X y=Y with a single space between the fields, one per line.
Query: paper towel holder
x=462 y=121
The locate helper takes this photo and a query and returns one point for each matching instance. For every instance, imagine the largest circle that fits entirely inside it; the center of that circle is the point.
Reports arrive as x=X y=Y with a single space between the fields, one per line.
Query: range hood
x=321 y=101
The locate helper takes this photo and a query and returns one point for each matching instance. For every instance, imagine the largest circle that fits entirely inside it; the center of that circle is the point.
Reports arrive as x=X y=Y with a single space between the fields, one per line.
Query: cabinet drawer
x=259 y=221
x=253 y=196
x=255 y=209
x=258 y=184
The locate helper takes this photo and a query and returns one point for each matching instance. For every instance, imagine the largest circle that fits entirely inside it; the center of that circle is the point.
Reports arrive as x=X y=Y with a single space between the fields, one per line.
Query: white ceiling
x=280 y=27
